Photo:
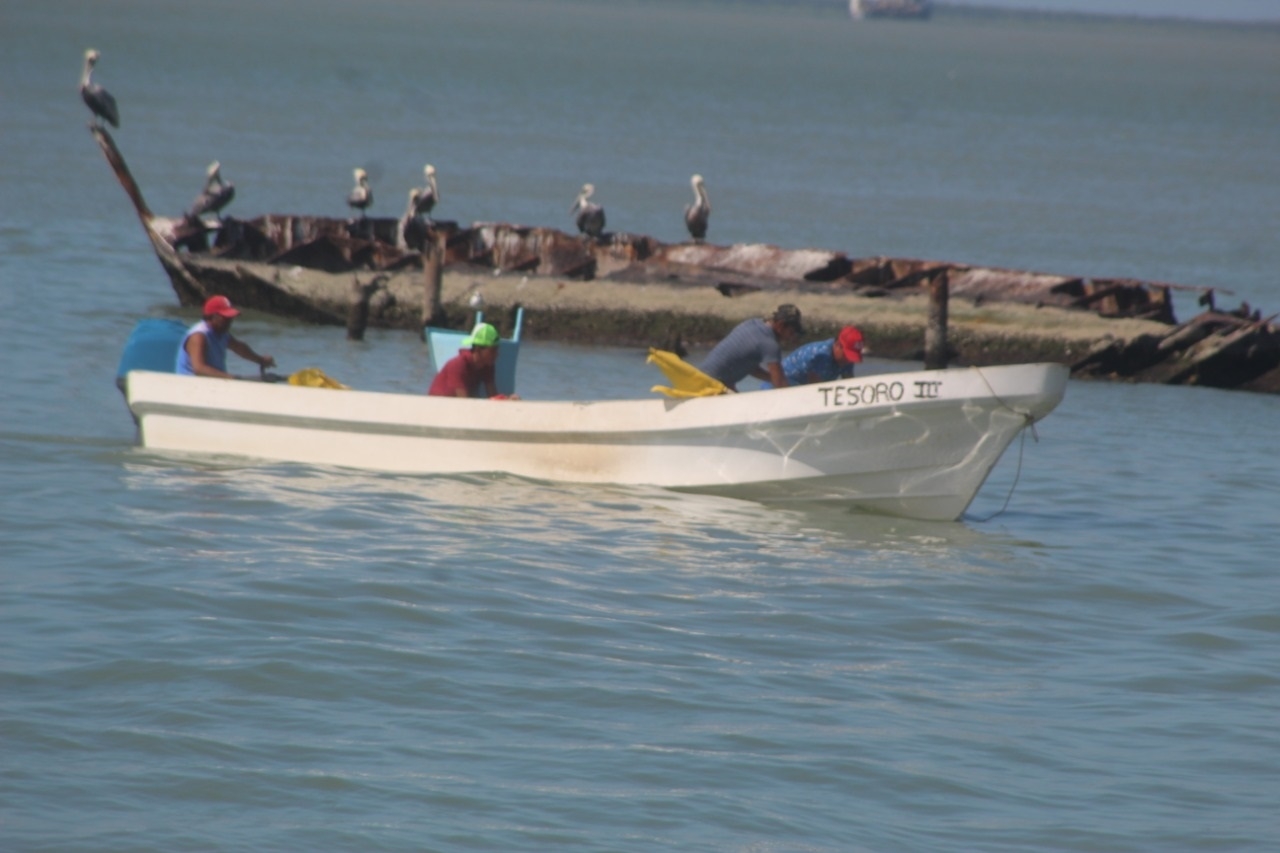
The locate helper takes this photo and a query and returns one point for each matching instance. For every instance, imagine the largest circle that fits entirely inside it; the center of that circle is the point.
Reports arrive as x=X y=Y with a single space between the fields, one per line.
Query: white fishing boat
x=915 y=444
x=859 y=9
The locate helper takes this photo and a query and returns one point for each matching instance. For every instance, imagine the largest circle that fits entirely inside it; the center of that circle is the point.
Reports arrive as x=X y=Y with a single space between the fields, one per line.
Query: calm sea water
x=198 y=654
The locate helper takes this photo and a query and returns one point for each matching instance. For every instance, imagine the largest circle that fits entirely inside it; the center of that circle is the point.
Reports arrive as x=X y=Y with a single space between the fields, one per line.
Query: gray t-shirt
x=751 y=344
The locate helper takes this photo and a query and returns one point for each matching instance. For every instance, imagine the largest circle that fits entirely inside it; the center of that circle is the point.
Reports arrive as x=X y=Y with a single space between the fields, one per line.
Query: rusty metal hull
x=315 y=268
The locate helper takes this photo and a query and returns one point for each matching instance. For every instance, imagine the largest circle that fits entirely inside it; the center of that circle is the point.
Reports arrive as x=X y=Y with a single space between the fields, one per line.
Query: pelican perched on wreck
x=590 y=218
x=361 y=195
x=411 y=230
x=216 y=195
x=96 y=98
x=697 y=214
x=429 y=194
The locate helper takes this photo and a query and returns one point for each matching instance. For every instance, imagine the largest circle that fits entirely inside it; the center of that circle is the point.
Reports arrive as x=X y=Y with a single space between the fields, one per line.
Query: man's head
x=219 y=312
x=848 y=345
x=786 y=321
x=483 y=343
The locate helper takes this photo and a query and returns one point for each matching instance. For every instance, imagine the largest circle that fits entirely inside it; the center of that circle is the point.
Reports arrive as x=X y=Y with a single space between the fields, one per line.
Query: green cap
x=483 y=335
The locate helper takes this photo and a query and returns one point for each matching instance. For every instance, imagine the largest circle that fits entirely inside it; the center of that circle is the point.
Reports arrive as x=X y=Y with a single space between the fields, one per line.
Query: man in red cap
x=822 y=361
x=204 y=349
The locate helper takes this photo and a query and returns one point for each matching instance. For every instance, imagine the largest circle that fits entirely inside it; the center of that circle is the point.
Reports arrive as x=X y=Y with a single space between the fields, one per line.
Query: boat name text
x=870 y=393
x=927 y=389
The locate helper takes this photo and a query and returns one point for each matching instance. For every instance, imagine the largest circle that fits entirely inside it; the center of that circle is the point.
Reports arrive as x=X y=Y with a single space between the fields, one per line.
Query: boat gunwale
x=775 y=416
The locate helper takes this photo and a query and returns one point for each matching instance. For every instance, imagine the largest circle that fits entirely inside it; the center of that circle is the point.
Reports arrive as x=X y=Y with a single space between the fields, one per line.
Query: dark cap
x=789 y=316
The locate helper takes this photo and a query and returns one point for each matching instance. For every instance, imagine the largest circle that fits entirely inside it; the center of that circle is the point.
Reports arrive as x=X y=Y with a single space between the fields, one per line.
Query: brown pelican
x=590 y=217
x=361 y=196
x=428 y=195
x=697 y=214
x=217 y=193
x=411 y=231
x=96 y=98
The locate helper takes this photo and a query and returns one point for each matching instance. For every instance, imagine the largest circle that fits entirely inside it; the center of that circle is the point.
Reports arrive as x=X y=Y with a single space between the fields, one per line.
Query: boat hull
x=911 y=444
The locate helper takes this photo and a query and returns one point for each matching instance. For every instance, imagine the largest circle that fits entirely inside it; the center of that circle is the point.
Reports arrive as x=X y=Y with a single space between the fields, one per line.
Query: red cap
x=221 y=306
x=851 y=342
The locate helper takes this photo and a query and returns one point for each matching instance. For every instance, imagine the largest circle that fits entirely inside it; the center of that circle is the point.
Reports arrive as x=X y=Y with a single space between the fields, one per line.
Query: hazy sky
x=1228 y=10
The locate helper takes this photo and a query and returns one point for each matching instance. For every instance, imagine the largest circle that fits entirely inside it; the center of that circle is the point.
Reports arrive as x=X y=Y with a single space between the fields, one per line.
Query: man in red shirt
x=470 y=372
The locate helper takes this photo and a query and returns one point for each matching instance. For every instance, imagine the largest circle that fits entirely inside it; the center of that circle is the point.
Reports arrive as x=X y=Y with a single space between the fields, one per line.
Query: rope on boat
x=1016 y=476
x=1022 y=444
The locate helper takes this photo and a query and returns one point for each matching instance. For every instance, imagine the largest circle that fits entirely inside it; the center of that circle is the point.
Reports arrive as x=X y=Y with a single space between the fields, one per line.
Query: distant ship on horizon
x=859 y=9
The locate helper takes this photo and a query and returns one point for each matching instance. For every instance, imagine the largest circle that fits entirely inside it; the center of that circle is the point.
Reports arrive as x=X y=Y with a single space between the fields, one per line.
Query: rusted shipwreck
x=330 y=271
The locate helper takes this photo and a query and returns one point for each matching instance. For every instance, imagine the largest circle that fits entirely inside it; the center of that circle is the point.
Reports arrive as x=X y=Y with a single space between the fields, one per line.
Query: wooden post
x=935 y=334
x=358 y=311
x=432 y=279
x=512 y=313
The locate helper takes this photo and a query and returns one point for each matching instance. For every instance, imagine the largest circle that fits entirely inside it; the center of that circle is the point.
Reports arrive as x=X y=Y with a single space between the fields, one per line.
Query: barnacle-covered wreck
x=329 y=270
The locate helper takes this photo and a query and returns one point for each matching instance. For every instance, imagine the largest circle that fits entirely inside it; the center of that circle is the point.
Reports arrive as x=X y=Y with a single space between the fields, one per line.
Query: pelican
x=361 y=196
x=428 y=195
x=697 y=214
x=590 y=217
x=96 y=98
x=217 y=193
x=411 y=231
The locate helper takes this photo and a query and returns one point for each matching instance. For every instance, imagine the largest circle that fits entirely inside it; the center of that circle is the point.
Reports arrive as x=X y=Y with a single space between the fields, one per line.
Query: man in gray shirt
x=753 y=343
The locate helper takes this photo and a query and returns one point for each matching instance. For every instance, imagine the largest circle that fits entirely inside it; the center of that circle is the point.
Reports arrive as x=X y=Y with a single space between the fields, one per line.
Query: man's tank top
x=215 y=349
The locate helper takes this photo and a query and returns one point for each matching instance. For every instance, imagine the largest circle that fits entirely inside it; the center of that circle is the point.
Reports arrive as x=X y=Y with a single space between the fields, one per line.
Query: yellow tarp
x=686 y=380
x=314 y=377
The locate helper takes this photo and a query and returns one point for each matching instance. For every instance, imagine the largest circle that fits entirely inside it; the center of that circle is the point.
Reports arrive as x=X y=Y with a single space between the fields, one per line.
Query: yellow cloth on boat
x=314 y=377
x=686 y=380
